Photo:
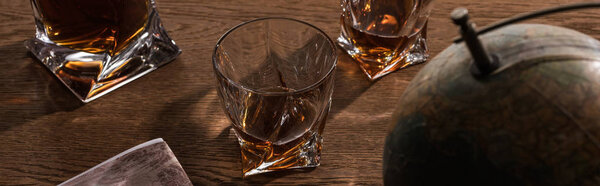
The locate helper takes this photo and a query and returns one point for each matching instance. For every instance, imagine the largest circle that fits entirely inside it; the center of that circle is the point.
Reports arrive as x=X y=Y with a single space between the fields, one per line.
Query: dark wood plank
x=48 y=137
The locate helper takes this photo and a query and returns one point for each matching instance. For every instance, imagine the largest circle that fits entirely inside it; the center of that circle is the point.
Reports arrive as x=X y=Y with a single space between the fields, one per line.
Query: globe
x=533 y=121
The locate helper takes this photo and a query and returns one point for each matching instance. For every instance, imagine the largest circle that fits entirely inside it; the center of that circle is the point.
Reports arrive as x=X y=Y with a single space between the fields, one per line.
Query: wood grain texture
x=48 y=137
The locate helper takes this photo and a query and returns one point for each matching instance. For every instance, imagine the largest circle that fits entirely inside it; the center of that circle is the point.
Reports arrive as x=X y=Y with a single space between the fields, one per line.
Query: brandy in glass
x=384 y=35
x=96 y=46
x=275 y=80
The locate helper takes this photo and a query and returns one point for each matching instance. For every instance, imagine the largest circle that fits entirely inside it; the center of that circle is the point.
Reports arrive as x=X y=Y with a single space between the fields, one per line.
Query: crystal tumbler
x=384 y=35
x=275 y=80
x=96 y=46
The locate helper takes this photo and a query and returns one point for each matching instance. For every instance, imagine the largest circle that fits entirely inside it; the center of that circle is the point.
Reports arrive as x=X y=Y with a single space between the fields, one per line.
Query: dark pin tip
x=460 y=16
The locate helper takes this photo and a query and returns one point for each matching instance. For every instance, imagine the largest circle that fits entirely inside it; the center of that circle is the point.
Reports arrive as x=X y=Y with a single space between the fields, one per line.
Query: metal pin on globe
x=482 y=64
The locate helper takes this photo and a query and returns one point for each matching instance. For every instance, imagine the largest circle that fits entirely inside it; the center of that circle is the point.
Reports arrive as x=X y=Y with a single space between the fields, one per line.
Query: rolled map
x=150 y=163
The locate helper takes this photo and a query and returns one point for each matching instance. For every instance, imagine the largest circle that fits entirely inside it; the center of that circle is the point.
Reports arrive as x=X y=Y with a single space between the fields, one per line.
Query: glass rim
x=218 y=71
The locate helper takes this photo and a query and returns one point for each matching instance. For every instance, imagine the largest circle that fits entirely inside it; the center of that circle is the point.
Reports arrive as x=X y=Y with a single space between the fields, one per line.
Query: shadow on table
x=186 y=124
x=29 y=90
x=350 y=83
x=178 y=122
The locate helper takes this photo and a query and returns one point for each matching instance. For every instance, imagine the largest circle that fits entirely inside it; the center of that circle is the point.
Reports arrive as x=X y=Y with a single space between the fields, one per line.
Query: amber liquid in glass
x=94 y=26
x=97 y=27
x=275 y=126
x=382 y=37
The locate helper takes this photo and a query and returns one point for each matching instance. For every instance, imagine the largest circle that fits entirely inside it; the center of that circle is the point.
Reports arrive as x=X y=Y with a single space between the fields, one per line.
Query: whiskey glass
x=275 y=81
x=96 y=46
x=385 y=35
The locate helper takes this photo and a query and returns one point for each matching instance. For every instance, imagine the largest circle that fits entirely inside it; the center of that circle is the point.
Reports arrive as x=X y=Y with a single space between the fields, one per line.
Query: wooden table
x=47 y=136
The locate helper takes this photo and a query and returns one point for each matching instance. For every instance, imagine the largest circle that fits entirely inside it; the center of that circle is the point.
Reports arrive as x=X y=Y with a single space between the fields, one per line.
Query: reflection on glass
x=384 y=35
x=275 y=79
x=95 y=46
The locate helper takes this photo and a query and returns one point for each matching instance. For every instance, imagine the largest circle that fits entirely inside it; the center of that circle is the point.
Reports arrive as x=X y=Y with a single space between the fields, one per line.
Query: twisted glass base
x=91 y=75
x=375 y=63
x=260 y=156
x=266 y=157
